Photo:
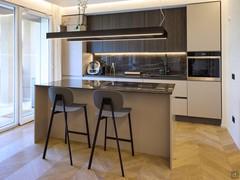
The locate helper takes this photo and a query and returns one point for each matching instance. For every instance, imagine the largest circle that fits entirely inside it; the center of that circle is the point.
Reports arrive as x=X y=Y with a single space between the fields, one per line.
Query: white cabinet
x=179 y=106
x=204 y=99
x=204 y=27
x=179 y=98
x=180 y=89
x=72 y=58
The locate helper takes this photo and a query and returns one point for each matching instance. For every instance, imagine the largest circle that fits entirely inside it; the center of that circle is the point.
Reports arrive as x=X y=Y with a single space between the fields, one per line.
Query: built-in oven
x=204 y=66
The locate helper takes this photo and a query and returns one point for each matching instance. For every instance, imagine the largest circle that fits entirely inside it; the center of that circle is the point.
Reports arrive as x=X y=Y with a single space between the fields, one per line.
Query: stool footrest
x=120 y=139
x=75 y=132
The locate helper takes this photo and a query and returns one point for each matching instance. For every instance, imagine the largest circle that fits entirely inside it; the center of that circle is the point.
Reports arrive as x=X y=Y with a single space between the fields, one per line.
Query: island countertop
x=156 y=88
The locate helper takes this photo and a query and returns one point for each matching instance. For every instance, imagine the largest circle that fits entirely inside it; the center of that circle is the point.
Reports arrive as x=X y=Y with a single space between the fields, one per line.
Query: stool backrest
x=115 y=97
x=65 y=93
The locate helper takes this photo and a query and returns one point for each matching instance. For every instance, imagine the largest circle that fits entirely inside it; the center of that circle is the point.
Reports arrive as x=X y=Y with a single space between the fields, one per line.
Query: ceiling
x=69 y=3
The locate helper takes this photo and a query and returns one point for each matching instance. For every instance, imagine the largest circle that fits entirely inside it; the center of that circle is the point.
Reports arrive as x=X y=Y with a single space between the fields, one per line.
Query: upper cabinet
x=175 y=24
x=204 y=27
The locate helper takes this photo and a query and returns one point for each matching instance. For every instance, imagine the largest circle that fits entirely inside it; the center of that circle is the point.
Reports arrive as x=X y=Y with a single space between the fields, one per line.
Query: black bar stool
x=110 y=105
x=62 y=100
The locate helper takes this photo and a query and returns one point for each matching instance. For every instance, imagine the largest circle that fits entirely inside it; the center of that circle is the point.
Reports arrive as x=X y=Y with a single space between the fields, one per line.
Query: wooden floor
x=200 y=152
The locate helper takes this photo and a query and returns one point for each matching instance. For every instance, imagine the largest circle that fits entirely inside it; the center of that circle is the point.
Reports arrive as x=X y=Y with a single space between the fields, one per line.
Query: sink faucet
x=113 y=70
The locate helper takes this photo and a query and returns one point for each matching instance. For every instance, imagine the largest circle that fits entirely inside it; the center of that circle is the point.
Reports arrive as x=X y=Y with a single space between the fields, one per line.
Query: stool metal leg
x=68 y=141
x=131 y=136
x=49 y=129
x=95 y=138
x=118 y=145
x=86 y=119
x=105 y=138
x=65 y=139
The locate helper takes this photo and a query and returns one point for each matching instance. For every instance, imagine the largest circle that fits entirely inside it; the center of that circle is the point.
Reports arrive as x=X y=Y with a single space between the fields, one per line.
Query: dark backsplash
x=150 y=65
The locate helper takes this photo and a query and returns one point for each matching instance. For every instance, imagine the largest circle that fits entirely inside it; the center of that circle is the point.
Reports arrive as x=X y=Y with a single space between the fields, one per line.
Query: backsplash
x=149 y=65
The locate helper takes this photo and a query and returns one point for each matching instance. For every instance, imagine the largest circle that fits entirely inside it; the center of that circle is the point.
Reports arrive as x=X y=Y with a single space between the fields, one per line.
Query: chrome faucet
x=113 y=70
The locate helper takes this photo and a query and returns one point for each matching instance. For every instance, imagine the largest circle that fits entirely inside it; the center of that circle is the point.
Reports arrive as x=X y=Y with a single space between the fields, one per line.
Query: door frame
x=23 y=120
x=18 y=10
x=15 y=66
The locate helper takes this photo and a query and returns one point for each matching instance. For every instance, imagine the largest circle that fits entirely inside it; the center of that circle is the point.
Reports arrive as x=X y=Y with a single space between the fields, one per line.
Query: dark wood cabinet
x=175 y=25
x=95 y=24
x=152 y=19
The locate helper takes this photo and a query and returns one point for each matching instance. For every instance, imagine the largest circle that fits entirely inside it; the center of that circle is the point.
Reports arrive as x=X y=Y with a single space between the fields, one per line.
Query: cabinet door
x=203 y=27
x=204 y=99
x=176 y=27
x=94 y=23
x=179 y=106
x=72 y=58
x=153 y=19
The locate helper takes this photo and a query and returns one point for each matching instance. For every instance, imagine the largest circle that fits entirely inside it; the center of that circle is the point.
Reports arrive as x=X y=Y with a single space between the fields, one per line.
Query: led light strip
x=120 y=35
x=103 y=40
x=142 y=54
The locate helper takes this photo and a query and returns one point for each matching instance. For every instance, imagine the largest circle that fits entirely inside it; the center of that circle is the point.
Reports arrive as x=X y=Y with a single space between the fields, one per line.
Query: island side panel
x=150 y=122
x=41 y=113
x=172 y=135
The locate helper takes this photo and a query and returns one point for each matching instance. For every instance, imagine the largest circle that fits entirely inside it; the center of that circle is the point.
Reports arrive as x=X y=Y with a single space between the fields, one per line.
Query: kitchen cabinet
x=94 y=23
x=204 y=99
x=204 y=27
x=179 y=106
x=122 y=21
x=175 y=24
x=72 y=58
x=179 y=98
x=152 y=19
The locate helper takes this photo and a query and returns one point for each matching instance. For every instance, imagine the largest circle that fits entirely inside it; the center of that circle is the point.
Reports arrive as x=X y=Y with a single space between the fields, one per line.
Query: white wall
x=231 y=57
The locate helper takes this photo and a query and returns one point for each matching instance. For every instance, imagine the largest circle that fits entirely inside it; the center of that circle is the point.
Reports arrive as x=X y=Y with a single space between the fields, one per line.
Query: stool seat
x=70 y=108
x=118 y=114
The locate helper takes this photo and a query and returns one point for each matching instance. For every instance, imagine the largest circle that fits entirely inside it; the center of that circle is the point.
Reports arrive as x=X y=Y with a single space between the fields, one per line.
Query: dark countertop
x=156 y=88
x=160 y=77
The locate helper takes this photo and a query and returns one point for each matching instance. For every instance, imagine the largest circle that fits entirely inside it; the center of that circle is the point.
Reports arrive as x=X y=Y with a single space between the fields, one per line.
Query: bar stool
x=62 y=100
x=110 y=105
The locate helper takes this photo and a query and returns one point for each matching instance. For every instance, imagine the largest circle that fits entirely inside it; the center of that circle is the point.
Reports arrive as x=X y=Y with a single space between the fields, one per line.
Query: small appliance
x=94 y=68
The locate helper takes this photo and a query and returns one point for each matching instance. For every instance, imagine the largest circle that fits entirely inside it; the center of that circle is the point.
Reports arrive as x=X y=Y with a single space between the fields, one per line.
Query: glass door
x=34 y=61
x=7 y=68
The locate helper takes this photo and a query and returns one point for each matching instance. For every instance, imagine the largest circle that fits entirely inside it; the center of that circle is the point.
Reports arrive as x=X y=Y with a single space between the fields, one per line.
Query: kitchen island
x=151 y=114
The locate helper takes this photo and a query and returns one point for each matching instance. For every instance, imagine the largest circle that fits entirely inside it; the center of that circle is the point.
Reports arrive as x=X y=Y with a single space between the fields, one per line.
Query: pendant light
x=144 y=33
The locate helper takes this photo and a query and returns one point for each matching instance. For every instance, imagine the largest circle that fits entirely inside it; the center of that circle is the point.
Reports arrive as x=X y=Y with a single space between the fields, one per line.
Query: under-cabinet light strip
x=142 y=54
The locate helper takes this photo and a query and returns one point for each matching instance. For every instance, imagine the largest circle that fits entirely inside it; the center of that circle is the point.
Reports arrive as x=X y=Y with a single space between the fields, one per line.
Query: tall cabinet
x=204 y=34
x=204 y=27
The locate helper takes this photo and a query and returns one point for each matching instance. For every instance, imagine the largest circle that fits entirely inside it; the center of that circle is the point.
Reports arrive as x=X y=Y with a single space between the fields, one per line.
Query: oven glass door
x=203 y=67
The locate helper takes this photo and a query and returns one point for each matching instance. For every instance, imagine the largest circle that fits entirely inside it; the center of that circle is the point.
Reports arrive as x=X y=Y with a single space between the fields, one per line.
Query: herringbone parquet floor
x=200 y=152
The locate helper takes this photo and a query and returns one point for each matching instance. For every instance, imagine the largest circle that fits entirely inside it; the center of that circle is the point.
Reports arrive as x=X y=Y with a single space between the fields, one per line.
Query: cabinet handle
x=177 y=97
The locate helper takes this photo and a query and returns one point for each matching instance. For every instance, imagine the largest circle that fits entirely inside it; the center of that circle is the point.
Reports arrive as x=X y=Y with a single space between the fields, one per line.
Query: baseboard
x=216 y=122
